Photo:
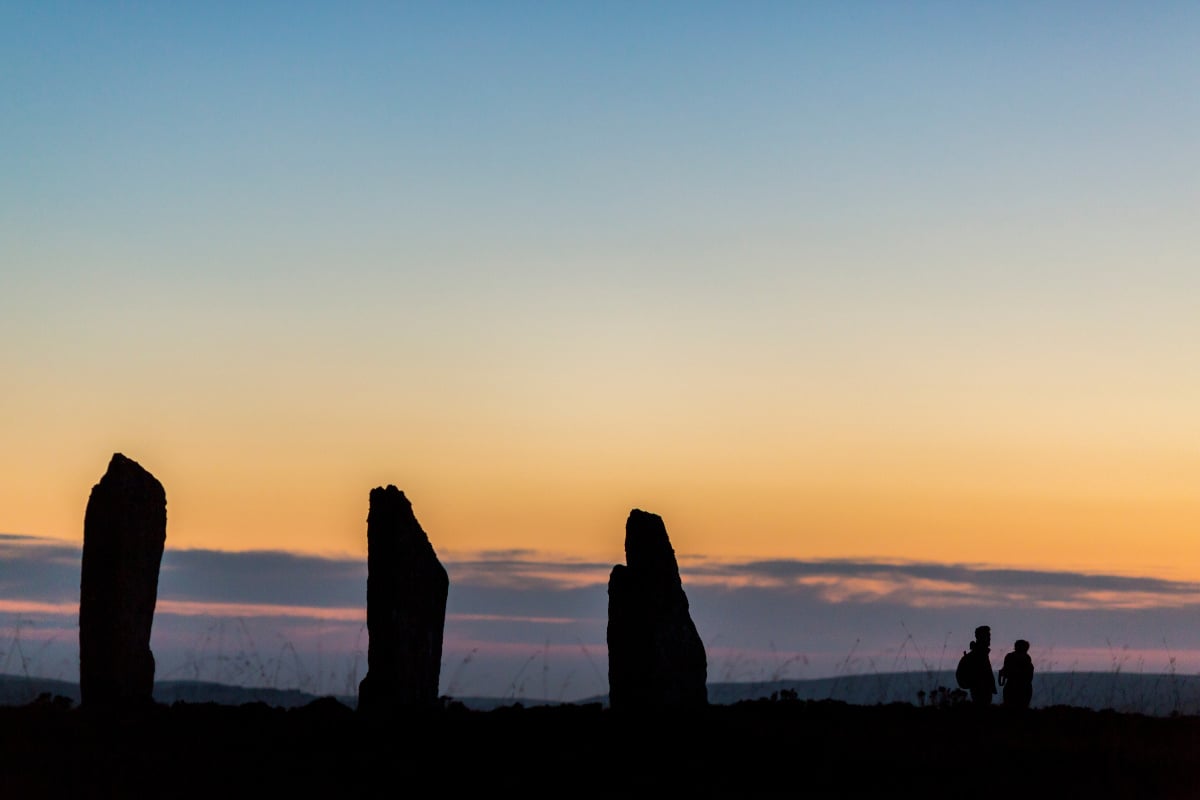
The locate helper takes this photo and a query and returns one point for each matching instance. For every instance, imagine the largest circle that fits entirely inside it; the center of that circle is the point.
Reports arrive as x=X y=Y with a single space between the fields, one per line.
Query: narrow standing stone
x=124 y=532
x=655 y=656
x=406 y=608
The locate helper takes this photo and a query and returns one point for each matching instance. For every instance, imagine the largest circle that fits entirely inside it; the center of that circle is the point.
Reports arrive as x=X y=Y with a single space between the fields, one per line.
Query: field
x=749 y=748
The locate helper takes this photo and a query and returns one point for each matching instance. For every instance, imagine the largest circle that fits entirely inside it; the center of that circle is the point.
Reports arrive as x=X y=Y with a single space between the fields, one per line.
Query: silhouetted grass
x=226 y=652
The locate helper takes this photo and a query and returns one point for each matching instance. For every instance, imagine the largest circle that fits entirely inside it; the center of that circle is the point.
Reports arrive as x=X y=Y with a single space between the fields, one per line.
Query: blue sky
x=241 y=137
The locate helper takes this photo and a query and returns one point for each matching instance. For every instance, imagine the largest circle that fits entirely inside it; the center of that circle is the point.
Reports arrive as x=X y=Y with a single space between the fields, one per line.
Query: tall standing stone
x=655 y=656
x=406 y=608
x=124 y=532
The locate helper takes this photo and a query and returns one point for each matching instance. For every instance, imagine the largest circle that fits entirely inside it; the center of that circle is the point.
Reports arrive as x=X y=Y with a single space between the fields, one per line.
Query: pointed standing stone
x=655 y=656
x=124 y=532
x=406 y=608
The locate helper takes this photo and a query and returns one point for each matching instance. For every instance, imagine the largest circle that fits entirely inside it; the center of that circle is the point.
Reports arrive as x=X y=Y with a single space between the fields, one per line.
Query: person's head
x=983 y=635
x=1021 y=646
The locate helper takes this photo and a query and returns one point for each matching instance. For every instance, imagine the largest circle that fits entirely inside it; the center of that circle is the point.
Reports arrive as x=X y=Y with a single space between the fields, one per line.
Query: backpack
x=963 y=673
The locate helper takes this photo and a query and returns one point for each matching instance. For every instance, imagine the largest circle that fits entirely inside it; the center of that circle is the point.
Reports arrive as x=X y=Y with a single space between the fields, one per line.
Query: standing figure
x=1016 y=676
x=974 y=671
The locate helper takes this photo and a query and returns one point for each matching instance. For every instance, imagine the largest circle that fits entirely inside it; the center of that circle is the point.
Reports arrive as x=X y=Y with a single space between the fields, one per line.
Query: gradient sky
x=913 y=282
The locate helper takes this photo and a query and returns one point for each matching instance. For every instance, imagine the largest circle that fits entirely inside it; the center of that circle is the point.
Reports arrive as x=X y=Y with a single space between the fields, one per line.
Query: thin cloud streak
x=48 y=570
x=504 y=618
x=29 y=607
x=187 y=608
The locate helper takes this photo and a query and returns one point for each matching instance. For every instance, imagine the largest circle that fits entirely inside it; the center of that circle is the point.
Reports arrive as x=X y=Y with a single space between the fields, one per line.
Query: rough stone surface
x=655 y=656
x=406 y=608
x=124 y=532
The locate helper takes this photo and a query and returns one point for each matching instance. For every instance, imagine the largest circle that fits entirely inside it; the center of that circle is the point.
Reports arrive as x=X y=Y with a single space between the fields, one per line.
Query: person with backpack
x=1016 y=676
x=974 y=671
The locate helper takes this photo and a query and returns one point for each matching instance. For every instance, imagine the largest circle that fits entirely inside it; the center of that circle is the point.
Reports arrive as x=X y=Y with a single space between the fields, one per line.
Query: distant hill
x=1139 y=693
x=18 y=690
x=1151 y=694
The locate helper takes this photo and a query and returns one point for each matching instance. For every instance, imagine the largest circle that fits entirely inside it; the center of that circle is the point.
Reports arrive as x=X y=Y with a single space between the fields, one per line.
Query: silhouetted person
x=1016 y=676
x=975 y=669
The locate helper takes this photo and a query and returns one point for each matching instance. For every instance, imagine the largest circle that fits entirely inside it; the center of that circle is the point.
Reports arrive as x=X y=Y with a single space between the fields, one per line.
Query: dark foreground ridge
x=752 y=748
x=1155 y=695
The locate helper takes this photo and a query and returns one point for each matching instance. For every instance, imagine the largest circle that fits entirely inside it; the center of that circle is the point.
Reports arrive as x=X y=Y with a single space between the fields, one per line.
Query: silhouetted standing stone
x=406 y=608
x=655 y=656
x=124 y=532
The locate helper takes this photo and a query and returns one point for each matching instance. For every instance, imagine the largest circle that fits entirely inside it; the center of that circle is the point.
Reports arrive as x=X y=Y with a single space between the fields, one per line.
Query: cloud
x=39 y=570
x=525 y=570
x=512 y=581
x=515 y=617
x=926 y=585
x=258 y=576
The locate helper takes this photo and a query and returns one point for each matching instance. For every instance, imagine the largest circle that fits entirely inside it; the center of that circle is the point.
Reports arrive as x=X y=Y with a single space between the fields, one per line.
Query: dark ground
x=806 y=748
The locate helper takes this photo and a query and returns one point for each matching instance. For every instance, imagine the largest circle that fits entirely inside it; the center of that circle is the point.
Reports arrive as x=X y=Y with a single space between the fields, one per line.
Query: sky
x=826 y=285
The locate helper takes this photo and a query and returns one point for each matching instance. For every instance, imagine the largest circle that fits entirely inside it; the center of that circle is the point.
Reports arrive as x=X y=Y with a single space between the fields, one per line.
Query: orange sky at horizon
x=1119 y=511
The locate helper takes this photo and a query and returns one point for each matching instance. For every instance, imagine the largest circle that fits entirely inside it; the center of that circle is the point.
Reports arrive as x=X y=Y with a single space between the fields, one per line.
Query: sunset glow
x=887 y=283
